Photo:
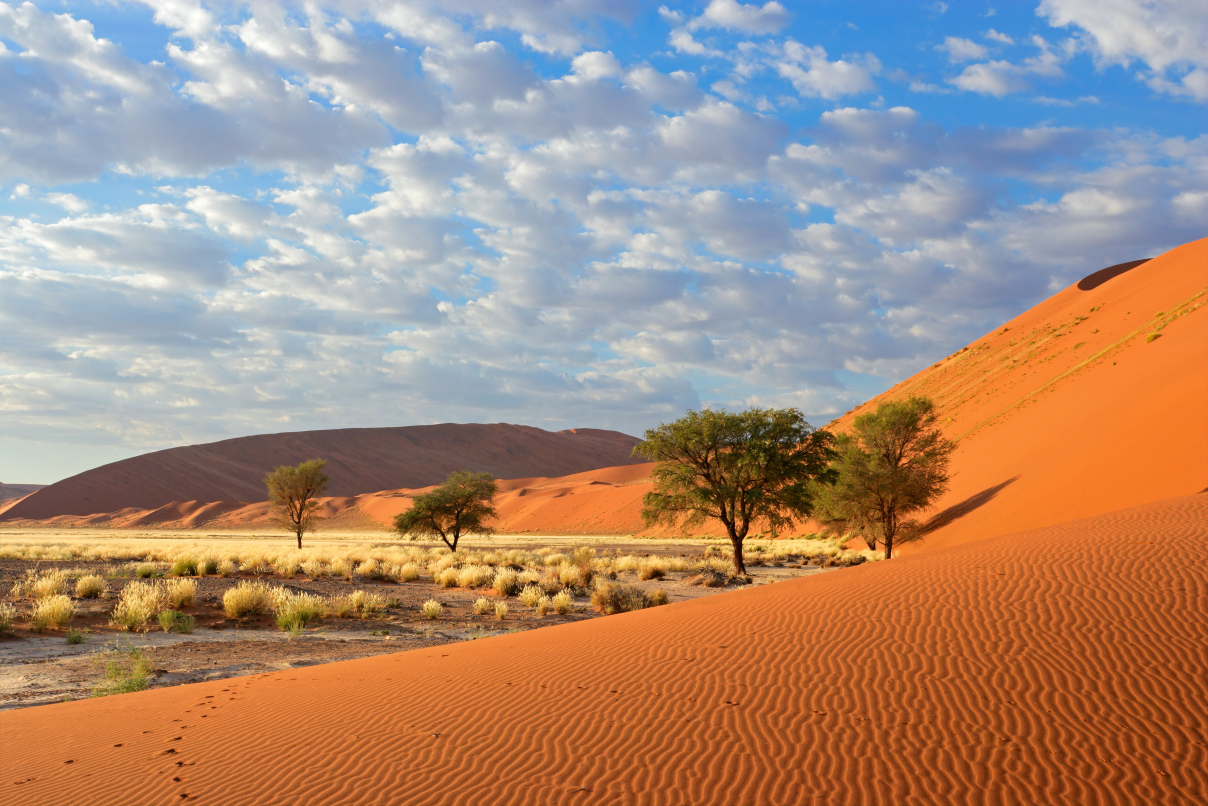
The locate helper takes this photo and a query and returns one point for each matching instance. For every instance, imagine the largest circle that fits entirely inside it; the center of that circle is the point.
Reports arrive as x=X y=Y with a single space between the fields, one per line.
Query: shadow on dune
x=962 y=509
x=1103 y=275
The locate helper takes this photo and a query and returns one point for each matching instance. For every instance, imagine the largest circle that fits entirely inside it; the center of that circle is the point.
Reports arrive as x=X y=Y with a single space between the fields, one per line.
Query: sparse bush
x=652 y=568
x=501 y=610
x=226 y=568
x=408 y=573
x=543 y=606
x=180 y=592
x=629 y=564
x=506 y=582
x=247 y=599
x=51 y=611
x=614 y=597
x=136 y=606
x=710 y=578
x=431 y=609
x=531 y=595
x=76 y=636
x=125 y=671
x=482 y=606
x=357 y=604
x=8 y=614
x=176 y=621
x=570 y=576
x=145 y=571
x=658 y=597
x=207 y=566
x=550 y=583
x=90 y=586
x=184 y=567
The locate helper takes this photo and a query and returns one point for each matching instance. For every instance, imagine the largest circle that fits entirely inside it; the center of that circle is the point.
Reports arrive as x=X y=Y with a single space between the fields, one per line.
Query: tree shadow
x=1103 y=275
x=952 y=513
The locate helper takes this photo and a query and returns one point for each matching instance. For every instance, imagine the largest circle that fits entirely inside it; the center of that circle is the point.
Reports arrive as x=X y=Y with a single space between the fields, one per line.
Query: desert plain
x=1045 y=642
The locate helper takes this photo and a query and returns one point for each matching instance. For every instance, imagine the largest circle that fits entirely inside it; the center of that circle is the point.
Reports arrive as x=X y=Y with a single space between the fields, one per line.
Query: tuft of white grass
x=51 y=611
x=90 y=586
x=501 y=610
x=562 y=602
x=431 y=609
x=531 y=595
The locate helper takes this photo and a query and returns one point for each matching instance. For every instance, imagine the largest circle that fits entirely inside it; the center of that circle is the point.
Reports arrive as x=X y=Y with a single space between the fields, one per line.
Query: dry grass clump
x=571 y=576
x=247 y=599
x=432 y=608
x=475 y=576
x=296 y=610
x=501 y=610
x=287 y=567
x=40 y=585
x=628 y=564
x=145 y=570
x=562 y=602
x=543 y=606
x=506 y=582
x=342 y=567
x=446 y=577
x=652 y=568
x=208 y=566
x=370 y=568
x=409 y=572
x=226 y=568
x=556 y=559
x=657 y=597
x=8 y=614
x=357 y=604
x=137 y=604
x=90 y=586
x=315 y=568
x=51 y=611
x=255 y=563
x=531 y=595
x=614 y=597
x=482 y=606
x=180 y=592
x=710 y=578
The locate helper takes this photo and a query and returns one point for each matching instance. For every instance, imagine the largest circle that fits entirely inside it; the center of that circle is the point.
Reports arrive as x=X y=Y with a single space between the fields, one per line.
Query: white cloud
x=769 y=18
x=814 y=76
x=1168 y=36
x=959 y=49
x=998 y=37
x=999 y=77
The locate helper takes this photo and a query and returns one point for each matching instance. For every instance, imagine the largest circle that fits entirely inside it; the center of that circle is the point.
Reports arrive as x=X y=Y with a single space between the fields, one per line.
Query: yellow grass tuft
x=432 y=608
x=90 y=586
x=482 y=606
x=501 y=610
x=136 y=606
x=226 y=568
x=247 y=599
x=543 y=606
x=531 y=595
x=562 y=602
x=8 y=614
x=409 y=572
x=652 y=568
x=180 y=592
x=51 y=611
x=506 y=582
x=475 y=576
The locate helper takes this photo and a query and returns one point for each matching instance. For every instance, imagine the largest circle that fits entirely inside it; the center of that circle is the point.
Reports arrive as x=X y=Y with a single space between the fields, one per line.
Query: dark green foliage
x=293 y=490
x=738 y=467
x=464 y=503
x=892 y=464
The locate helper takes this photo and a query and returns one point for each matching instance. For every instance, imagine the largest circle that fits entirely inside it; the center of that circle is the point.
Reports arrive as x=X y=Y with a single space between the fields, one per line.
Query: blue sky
x=226 y=218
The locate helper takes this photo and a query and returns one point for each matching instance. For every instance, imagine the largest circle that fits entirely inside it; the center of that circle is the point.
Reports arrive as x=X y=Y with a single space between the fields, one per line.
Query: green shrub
x=126 y=670
x=175 y=621
x=75 y=636
x=296 y=610
x=184 y=567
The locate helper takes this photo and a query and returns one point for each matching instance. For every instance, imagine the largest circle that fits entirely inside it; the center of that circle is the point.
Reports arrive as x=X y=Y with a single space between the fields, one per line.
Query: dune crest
x=1062 y=666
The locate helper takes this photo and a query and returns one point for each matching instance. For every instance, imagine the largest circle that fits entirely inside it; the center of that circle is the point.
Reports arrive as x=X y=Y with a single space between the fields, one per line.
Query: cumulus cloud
x=769 y=18
x=814 y=76
x=1168 y=36
x=1000 y=77
x=959 y=49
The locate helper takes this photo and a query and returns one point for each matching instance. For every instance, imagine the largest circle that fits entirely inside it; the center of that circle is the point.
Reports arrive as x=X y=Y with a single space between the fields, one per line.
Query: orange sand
x=1059 y=666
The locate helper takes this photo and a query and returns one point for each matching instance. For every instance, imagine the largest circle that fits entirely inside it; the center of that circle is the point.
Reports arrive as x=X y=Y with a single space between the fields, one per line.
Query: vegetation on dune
x=292 y=492
x=738 y=467
x=892 y=464
x=463 y=503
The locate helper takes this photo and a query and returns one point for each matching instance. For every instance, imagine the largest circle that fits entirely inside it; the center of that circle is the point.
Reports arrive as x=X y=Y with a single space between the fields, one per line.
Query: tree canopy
x=292 y=491
x=462 y=503
x=738 y=467
x=892 y=464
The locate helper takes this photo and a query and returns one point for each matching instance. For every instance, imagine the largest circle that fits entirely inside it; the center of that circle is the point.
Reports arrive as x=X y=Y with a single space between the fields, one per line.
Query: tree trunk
x=299 y=540
x=740 y=567
x=889 y=546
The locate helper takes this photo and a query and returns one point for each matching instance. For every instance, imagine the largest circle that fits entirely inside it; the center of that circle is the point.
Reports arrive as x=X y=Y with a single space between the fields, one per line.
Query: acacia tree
x=292 y=491
x=462 y=503
x=737 y=467
x=893 y=463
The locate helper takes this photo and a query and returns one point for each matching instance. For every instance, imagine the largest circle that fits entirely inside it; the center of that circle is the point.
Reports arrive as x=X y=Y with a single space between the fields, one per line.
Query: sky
x=227 y=218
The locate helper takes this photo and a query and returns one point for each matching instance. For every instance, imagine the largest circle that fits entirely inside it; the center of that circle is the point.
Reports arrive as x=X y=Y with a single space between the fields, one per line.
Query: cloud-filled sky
x=223 y=218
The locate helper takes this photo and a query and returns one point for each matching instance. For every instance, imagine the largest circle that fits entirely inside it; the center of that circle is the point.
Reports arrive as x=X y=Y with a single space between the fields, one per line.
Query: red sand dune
x=359 y=460
x=1060 y=666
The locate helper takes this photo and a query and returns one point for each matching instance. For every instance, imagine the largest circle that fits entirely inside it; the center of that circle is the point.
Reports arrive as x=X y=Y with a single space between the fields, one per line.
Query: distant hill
x=359 y=460
x=9 y=492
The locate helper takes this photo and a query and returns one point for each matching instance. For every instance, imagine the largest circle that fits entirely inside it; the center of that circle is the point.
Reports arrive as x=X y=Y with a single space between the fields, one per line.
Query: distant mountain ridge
x=359 y=460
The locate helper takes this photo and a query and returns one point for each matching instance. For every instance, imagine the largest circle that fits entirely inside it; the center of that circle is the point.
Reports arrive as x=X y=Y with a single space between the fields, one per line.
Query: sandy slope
x=360 y=460
x=1060 y=666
